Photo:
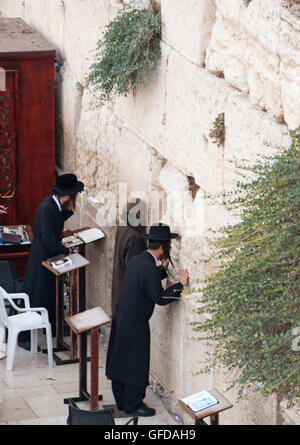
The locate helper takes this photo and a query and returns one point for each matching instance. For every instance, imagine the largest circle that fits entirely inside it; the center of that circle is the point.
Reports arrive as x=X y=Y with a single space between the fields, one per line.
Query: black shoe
x=143 y=411
x=27 y=345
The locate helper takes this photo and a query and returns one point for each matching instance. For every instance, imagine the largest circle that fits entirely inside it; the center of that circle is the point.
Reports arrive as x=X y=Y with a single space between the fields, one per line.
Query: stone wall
x=240 y=58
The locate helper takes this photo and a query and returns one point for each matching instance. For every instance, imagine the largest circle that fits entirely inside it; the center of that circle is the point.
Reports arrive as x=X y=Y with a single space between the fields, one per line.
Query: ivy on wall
x=254 y=296
x=128 y=53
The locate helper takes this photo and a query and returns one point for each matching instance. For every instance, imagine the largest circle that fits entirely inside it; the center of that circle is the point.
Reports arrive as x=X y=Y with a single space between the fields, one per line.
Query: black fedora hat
x=67 y=184
x=160 y=232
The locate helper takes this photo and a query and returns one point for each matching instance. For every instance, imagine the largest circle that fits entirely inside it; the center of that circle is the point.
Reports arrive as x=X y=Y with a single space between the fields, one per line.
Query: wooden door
x=8 y=146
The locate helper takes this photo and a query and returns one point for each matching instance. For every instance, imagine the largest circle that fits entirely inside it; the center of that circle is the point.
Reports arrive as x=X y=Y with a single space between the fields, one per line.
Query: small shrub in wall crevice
x=128 y=53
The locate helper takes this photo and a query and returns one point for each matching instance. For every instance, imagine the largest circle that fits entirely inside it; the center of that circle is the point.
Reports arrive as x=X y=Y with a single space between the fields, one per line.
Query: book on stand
x=199 y=401
x=59 y=263
x=83 y=237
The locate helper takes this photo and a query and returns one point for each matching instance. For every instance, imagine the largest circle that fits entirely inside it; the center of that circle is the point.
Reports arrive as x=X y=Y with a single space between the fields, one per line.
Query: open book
x=200 y=401
x=61 y=263
x=89 y=235
x=86 y=236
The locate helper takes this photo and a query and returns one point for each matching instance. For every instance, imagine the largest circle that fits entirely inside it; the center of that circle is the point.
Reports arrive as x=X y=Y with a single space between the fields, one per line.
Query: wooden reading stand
x=78 y=263
x=82 y=324
x=212 y=411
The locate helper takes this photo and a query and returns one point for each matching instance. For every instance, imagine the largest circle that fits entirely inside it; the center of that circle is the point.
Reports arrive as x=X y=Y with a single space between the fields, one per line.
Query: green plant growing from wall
x=217 y=133
x=253 y=297
x=128 y=53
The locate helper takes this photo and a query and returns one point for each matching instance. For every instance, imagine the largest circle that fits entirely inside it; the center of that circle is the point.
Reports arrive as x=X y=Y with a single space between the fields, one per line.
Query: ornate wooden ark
x=27 y=122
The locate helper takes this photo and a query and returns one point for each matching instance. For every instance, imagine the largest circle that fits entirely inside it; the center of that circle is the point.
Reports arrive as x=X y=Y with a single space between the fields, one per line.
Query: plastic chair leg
x=11 y=348
x=33 y=341
x=2 y=344
x=49 y=345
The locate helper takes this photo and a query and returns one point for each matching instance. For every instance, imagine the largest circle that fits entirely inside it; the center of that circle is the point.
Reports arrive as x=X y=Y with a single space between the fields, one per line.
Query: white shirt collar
x=57 y=202
x=157 y=262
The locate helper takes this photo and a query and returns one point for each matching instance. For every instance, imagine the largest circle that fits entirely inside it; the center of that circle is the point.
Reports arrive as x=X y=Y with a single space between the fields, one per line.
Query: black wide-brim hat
x=67 y=184
x=160 y=232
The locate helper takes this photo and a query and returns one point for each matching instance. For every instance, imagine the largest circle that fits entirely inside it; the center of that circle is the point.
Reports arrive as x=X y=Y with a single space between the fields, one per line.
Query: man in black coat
x=128 y=356
x=53 y=211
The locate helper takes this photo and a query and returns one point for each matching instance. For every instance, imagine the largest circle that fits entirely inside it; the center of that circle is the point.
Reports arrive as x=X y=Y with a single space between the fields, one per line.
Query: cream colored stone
x=249 y=133
x=187 y=27
x=48 y=18
x=145 y=110
x=257 y=49
x=10 y=8
x=291 y=416
x=195 y=98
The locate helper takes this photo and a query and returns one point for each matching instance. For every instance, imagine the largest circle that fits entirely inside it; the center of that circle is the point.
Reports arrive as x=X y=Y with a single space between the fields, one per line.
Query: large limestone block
x=68 y=109
x=167 y=353
x=249 y=132
x=187 y=26
x=146 y=110
x=48 y=18
x=133 y=158
x=289 y=51
x=195 y=98
x=9 y=8
x=85 y=21
x=290 y=416
x=97 y=137
x=256 y=47
x=193 y=378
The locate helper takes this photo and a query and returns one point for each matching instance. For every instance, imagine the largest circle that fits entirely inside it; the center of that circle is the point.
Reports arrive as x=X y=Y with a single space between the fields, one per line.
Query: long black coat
x=128 y=243
x=39 y=282
x=128 y=356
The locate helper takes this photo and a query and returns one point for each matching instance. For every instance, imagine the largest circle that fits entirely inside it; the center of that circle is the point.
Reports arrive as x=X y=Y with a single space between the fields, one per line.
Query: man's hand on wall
x=184 y=277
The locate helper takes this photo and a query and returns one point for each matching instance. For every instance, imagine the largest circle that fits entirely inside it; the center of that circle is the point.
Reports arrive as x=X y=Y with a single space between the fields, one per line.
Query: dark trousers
x=128 y=398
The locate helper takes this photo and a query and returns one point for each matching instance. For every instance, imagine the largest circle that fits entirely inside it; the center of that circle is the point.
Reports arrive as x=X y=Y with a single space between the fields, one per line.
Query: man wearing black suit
x=53 y=211
x=128 y=356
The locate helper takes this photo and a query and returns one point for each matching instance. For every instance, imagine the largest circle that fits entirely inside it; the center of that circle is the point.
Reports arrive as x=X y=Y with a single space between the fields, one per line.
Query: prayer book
x=61 y=263
x=200 y=401
x=90 y=235
x=83 y=237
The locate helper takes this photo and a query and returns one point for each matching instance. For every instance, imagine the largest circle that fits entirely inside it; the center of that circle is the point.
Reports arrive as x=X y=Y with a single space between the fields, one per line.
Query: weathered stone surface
x=145 y=111
x=258 y=50
x=187 y=27
x=49 y=20
x=195 y=98
x=291 y=416
x=12 y=9
x=249 y=133
x=68 y=108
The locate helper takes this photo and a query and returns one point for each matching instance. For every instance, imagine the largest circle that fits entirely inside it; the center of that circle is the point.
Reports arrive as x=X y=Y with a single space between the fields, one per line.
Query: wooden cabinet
x=27 y=120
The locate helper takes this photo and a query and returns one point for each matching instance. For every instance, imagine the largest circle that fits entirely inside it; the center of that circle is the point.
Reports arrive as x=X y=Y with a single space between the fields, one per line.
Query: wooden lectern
x=212 y=411
x=78 y=263
x=82 y=324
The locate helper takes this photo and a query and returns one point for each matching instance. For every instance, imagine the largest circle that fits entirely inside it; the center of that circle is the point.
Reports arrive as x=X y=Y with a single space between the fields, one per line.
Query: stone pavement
x=32 y=394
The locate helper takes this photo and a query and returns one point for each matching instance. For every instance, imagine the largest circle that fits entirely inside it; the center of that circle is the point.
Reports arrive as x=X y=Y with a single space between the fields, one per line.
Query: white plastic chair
x=29 y=319
x=2 y=355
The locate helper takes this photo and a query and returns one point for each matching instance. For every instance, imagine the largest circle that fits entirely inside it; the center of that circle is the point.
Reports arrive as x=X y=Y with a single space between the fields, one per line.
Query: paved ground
x=32 y=394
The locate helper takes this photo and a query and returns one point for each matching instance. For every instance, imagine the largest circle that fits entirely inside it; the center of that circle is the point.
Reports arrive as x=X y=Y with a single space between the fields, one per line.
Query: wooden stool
x=81 y=324
x=212 y=411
